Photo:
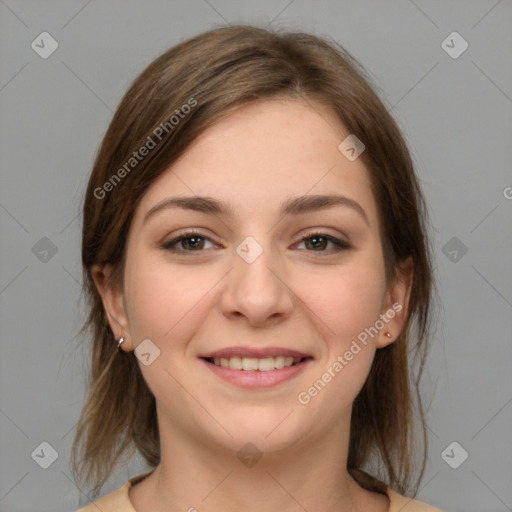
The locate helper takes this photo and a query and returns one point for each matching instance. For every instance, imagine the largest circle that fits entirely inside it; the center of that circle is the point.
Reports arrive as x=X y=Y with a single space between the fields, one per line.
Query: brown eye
x=190 y=242
x=317 y=242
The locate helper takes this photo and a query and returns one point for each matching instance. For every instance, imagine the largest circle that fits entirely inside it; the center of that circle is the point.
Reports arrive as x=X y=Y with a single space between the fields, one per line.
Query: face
x=256 y=280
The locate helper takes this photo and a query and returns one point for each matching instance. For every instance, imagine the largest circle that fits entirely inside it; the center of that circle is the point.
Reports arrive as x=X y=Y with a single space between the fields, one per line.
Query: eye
x=192 y=241
x=319 y=241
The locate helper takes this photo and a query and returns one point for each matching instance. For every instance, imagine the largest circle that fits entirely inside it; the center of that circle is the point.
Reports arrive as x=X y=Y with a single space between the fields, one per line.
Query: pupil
x=197 y=240
x=315 y=241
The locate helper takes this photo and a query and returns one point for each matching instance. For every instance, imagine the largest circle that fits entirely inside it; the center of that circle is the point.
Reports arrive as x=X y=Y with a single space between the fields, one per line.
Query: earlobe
x=113 y=303
x=396 y=304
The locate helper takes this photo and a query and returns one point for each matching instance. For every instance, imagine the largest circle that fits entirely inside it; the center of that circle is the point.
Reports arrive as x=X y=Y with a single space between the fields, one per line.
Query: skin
x=295 y=294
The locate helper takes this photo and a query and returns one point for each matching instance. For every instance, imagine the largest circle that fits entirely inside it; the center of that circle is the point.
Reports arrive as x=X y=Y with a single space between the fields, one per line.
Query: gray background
x=457 y=117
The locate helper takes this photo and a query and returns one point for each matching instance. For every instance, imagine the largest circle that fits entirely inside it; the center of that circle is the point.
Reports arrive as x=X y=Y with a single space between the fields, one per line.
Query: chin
x=270 y=430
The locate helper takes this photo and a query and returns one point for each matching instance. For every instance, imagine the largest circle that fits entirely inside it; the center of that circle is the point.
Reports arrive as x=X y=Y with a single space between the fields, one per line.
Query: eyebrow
x=293 y=206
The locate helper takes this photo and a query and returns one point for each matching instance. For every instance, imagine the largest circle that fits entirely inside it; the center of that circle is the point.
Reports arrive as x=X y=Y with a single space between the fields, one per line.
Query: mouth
x=256 y=373
x=248 y=364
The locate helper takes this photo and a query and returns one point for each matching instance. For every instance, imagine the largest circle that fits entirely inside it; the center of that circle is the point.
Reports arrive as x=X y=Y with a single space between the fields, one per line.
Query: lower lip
x=255 y=379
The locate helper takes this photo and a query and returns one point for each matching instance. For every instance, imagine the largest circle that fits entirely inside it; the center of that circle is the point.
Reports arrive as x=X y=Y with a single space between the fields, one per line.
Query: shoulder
x=404 y=504
x=397 y=502
x=117 y=501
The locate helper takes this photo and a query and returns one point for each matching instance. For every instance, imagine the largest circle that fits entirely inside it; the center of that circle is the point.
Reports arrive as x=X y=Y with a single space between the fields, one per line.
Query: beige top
x=118 y=501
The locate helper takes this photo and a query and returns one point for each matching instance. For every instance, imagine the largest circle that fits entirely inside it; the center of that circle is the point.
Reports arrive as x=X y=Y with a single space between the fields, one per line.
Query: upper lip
x=258 y=353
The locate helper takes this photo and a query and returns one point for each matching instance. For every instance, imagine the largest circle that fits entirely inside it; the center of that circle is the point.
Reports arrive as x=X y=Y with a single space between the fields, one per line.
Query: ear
x=113 y=302
x=396 y=304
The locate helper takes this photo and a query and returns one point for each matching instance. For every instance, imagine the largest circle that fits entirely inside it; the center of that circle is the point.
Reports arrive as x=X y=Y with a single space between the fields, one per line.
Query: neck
x=193 y=476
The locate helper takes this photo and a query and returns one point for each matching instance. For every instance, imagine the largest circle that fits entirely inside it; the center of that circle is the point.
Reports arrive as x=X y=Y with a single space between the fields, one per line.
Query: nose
x=257 y=290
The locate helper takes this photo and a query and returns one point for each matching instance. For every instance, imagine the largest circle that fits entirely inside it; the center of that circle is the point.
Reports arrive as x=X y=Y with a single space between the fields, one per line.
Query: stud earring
x=387 y=334
x=119 y=342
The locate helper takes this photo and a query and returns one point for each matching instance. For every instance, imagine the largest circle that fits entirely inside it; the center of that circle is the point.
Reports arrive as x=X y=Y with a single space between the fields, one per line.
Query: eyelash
x=169 y=245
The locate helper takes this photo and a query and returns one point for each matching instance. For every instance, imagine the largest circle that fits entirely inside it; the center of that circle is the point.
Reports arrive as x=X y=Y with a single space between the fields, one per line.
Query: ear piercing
x=387 y=334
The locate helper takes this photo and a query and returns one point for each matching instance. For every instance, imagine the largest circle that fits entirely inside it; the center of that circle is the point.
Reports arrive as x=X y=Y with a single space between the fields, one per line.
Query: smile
x=254 y=373
x=252 y=363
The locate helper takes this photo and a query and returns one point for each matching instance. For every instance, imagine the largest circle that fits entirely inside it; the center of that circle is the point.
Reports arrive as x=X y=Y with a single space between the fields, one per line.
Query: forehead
x=263 y=153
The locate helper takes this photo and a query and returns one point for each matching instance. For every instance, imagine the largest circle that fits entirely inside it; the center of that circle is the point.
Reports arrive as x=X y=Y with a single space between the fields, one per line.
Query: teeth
x=252 y=363
x=249 y=363
x=279 y=362
x=235 y=363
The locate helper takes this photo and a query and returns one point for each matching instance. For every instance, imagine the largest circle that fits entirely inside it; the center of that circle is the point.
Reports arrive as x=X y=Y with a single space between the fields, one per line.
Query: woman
x=254 y=239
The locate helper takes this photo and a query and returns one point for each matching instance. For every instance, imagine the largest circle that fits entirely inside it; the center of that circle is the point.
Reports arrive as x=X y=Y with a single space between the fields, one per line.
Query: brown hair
x=218 y=72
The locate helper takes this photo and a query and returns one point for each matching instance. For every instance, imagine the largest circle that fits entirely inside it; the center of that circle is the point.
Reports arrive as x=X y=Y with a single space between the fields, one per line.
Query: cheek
x=347 y=299
x=160 y=299
x=346 y=303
